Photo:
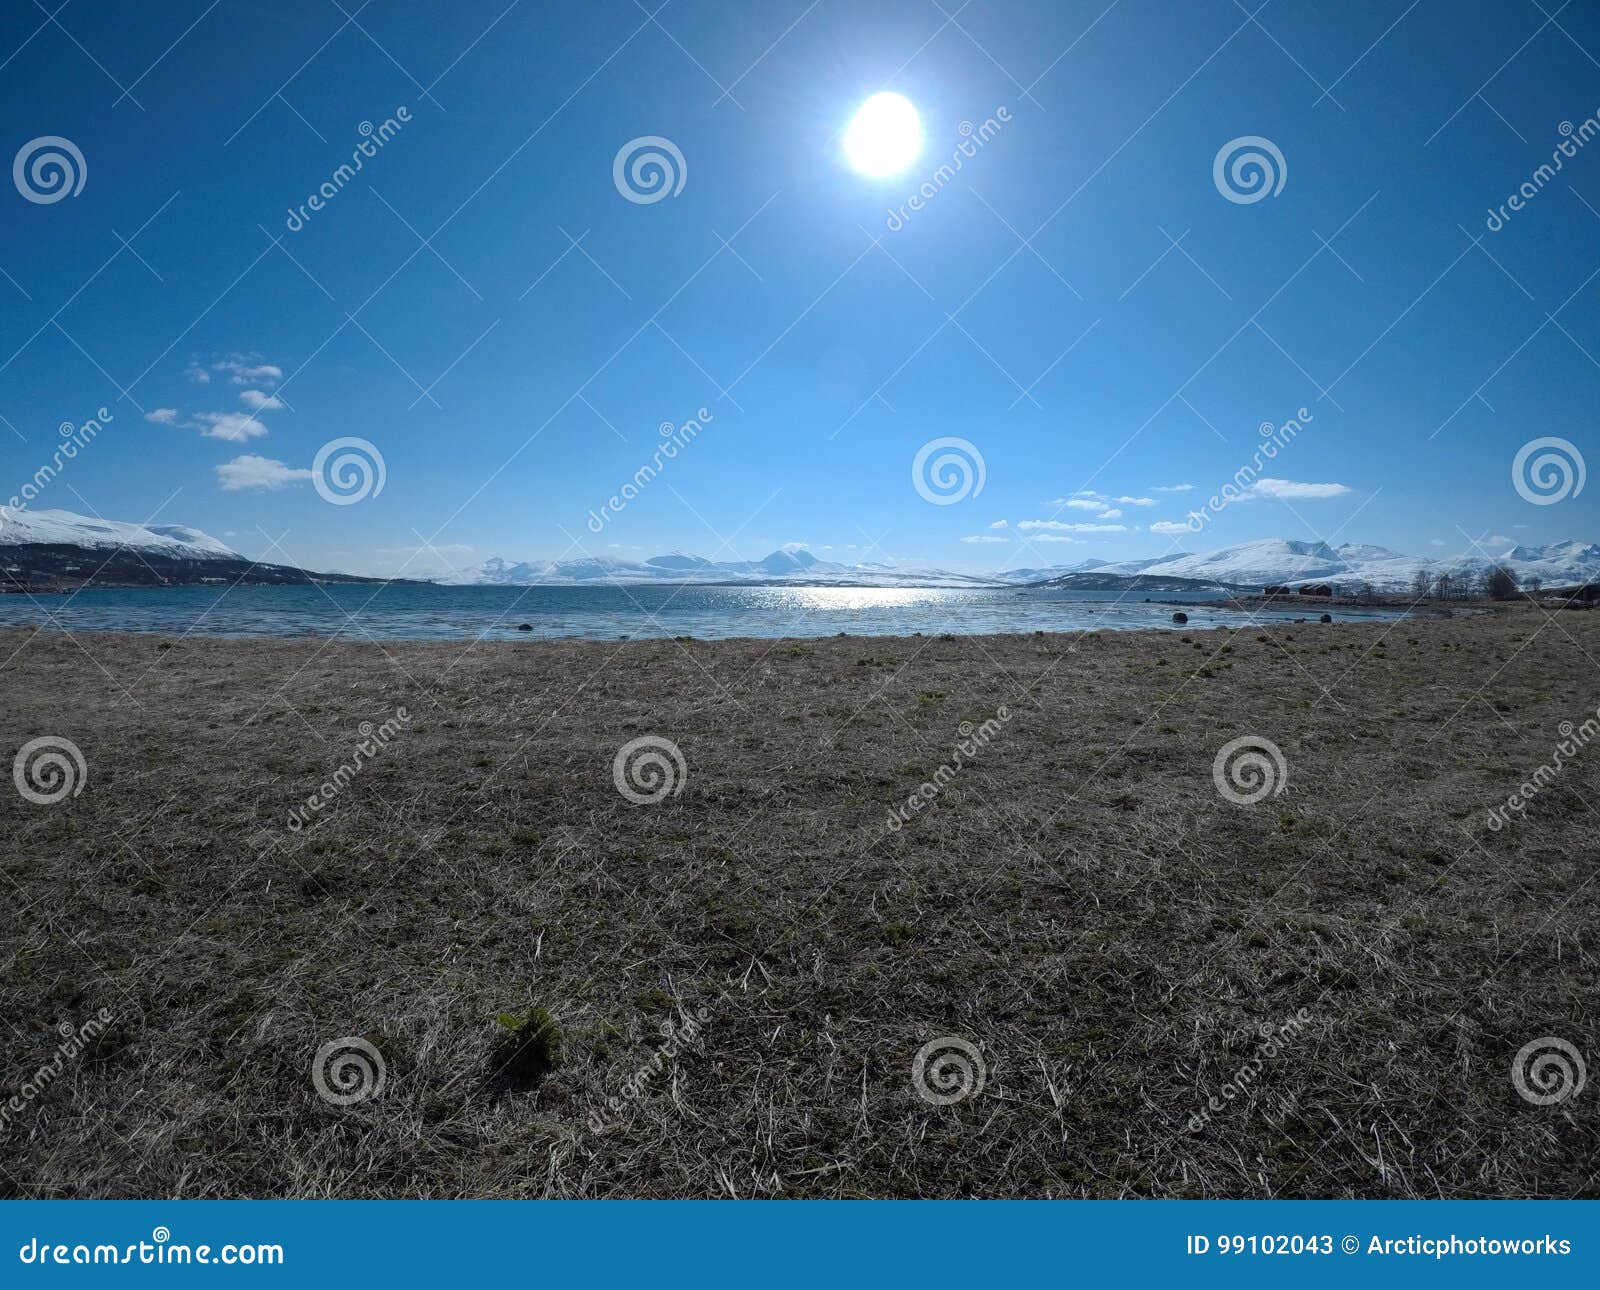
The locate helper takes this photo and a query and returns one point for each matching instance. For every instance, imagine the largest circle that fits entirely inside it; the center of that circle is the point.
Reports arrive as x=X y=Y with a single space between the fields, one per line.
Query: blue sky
x=1035 y=306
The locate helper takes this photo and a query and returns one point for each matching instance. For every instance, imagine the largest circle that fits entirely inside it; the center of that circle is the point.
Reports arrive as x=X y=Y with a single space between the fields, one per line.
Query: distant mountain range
x=792 y=564
x=38 y=547
x=1268 y=562
x=45 y=550
x=1275 y=561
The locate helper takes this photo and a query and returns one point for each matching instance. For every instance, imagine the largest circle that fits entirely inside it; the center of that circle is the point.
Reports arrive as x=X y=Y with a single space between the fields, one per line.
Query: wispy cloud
x=162 y=416
x=235 y=427
x=1289 y=488
x=197 y=374
x=1060 y=526
x=1086 y=499
x=256 y=401
x=1168 y=527
x=250 y=471
x=247 y=369
x=1000 y=524
x=985 y=537
x=1137 y=501
x=1172 y=488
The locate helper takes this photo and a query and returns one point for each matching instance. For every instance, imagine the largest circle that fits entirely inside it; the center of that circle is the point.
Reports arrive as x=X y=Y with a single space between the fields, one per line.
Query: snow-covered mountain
x=1266 y=562
x=1021 y=577
x=63 y=528
x=57 y=550
x=790 y=564
x=1281 y=560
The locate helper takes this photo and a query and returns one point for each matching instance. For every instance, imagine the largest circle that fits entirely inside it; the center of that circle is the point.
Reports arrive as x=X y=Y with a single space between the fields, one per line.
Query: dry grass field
x=725 y=992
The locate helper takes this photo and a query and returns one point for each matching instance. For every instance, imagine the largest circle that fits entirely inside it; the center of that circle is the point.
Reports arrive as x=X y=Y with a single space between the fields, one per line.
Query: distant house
x=1316 y=589
x=1278 y=591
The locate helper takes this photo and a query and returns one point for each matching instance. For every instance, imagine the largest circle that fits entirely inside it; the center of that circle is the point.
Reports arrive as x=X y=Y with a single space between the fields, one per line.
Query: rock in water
x=1180 y=617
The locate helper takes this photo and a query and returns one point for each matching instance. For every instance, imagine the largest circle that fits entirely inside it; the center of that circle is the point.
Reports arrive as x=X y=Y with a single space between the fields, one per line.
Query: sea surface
x=609 y=613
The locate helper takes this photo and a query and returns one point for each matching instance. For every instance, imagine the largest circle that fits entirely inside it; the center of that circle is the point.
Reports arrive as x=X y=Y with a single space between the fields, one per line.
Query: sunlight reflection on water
x=607 y=613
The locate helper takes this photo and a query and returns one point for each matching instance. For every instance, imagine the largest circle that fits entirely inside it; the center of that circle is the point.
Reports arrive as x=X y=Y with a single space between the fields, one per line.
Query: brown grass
x=1079 y=903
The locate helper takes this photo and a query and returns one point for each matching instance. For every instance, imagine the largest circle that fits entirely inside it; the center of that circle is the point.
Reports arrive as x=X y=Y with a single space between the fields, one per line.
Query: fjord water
x=400 y=612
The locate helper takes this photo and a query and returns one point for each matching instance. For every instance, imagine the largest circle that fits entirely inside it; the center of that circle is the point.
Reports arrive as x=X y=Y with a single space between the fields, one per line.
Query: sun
x=885 y=135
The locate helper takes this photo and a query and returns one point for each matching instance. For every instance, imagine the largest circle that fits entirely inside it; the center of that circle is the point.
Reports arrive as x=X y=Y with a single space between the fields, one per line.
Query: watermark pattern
x=948 y=470
x=74 y=438
x=649 y=769
x=348 y=1070
x=74 y=1039
x=1274 y=439
x=972 y=139
x=1548 y=1071
x=1534 y=184
x=374 y=739
x=49 y=168
x=1250 y=769
x=674 y=439
x=1548 y=470
x=974 y=739
x=948 y=1070
x=373 y=138
x=649 y=168
x=1249 y=168
x=348 y=470
x=676 y=1037
x=1273 y=1041
x=1574 y=739
x=49 y=769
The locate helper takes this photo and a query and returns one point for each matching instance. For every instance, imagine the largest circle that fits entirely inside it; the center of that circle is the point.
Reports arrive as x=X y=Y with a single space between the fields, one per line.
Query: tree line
x=1495 y=583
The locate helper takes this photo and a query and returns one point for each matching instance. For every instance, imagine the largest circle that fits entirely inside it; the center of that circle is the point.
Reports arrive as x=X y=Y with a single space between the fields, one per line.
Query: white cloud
x=999 y=524
x=1137 y=501
x=1058 y=526
x=235 y=427
x=1058 y=537
x=197 y=374
x=1435 y=542
x=245 y=369
x=1172 y=488
x=1168 y=527
x=984 y=537
x=1499 y=539
x=162 y=416
x=256 y=401
x=1086 y=499
x=1291 y=488
x=250 y=471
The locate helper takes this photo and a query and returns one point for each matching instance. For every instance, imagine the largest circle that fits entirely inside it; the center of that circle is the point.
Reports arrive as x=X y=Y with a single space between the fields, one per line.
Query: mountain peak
x=788 y=559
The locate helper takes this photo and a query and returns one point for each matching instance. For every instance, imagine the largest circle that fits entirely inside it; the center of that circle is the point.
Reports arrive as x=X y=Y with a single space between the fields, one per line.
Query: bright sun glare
x=885 y=136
